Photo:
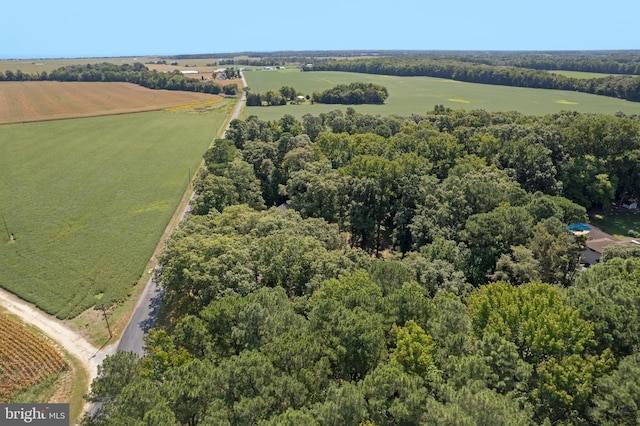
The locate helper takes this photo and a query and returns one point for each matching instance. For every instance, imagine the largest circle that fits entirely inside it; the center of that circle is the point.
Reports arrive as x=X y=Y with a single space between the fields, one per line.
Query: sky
x=73 y=29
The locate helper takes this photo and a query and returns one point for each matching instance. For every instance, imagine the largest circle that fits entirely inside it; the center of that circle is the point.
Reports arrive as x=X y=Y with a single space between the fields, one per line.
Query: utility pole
x=104 y=311
x=6 y=228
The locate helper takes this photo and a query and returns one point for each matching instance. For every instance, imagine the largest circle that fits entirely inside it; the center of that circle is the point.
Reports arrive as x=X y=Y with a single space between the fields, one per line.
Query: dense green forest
x=417 y=270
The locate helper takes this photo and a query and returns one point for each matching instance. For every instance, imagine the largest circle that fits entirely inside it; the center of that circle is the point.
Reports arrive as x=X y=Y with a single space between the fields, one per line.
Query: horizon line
x=301 y=52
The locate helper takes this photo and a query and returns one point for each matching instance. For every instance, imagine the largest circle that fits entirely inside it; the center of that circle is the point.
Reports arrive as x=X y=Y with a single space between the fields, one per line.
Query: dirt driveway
x=73 y=343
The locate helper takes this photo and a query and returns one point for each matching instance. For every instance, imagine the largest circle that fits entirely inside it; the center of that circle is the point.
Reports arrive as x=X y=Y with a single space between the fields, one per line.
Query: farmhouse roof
x=600 y=244
x=599 y=239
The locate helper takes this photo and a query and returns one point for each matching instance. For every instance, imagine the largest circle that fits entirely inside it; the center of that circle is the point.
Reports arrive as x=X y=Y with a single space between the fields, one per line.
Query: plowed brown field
x=25 y=101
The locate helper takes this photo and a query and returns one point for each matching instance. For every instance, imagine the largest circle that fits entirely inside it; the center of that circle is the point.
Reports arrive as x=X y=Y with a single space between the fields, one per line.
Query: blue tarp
x=579 y=227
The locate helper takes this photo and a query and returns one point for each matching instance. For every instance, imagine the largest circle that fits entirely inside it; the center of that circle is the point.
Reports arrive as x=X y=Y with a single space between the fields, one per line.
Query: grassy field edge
x=119 y=316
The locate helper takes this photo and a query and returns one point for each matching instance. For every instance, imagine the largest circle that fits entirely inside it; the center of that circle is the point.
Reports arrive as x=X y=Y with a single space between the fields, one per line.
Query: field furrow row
x=25 y=359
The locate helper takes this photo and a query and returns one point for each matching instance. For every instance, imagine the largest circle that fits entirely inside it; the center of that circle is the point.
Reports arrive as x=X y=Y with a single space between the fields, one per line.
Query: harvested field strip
x=29 y=101
x=25 y=359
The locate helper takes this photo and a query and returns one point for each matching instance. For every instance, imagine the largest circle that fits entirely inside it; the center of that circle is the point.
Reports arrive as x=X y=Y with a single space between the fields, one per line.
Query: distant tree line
x=607 y=61
x=272 y=97
x=619 y=56
x=137 y=74
x=258 y=62
x=624 y=62
x=291 y=56
x=356 y=93
x=619 y=86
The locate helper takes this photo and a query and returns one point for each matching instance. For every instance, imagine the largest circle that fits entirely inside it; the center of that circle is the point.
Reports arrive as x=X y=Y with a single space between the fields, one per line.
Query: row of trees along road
x=422 y=275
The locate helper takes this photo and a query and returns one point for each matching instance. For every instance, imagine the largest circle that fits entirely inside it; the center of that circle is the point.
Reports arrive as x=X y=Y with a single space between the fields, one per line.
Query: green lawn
x=580 y=74
x=617 y=223
x=417 y=95
x=88 y=200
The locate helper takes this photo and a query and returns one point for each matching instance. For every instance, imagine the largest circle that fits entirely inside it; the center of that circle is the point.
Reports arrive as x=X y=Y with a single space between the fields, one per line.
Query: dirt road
x=238 y=108
x=73 y=343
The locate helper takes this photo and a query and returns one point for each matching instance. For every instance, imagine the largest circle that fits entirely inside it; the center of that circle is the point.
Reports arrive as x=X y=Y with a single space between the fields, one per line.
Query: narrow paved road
x=142 y=320
x=146 y=310
x=238 y=108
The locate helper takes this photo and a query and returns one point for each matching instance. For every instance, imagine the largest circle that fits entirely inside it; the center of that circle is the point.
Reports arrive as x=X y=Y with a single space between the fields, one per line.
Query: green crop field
x=417 y=95
x=87 y=201
x=579 y=74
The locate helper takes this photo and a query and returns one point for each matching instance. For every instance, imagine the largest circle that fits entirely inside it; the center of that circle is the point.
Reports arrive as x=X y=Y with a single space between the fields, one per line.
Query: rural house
x=597 y=241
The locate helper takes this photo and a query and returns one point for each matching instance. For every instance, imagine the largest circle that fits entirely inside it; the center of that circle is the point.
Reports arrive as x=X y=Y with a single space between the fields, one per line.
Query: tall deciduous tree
x=556 y=251
x=213 y=192
x=490 y=235
x=346 y=312
x=462 y=194
x=534 y=316
x=394 y=396
x=317 y=191
x=552 y=337
x=372 y=187
x=413 y=349
x=287 y=261
x=586 y=180
x=198 y=269
x=608 y=295
x=617 y=396
x=247 y=185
